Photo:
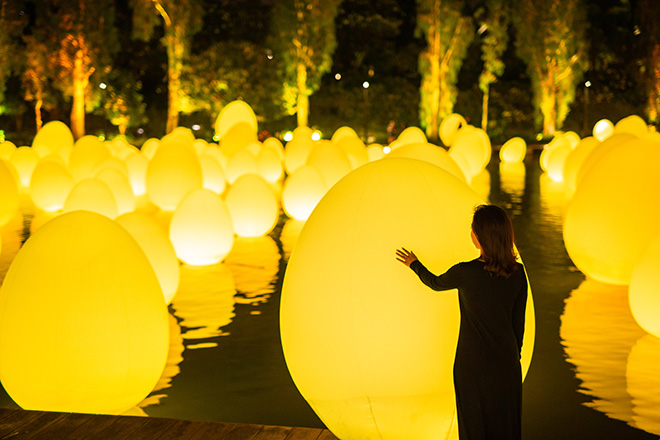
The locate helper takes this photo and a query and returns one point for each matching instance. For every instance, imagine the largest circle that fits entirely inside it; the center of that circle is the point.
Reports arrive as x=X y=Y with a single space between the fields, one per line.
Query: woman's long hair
x=494 y=230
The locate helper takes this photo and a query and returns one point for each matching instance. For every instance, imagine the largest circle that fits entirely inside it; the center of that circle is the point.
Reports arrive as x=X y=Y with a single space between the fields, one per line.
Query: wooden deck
x=19 y=424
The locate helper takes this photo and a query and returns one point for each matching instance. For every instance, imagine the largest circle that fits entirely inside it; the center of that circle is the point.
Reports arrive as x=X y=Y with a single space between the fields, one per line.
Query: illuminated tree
x=551 y=40
x=11 y=26
x=448 y=34
x=181 y=20
x=303 y=34
x=37 y=77
x=122 y=102
x=494 y=27
x=648 y=12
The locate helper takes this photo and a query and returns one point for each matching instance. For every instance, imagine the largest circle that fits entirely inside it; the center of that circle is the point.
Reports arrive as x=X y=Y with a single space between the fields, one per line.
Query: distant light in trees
x=140 y=130
x=587 y=83
x=337 y=76
x=196 y=127
x=365 y=84
x=288 y=136
x=316 y=135
x=103 y=86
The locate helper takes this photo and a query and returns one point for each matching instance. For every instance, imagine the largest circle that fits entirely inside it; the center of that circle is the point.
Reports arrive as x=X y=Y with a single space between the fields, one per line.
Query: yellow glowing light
x=121 y=189
x=347 y=338
x=514 y=150
x=53 y=136
x=603 y=129
x=449 y=128
x=432 y=154
x=241 y=163
x=302 y=191
x=237 y=137
x=274 y=144
x=632 y=124
x=269 y=165
x=316 y=135
x=24 y=160
x=9 y=192
x=236 y=112
x=473 y=144
x=599 y=151
x=331 y=161
x=149 y=147
x=288 y=136
x=50 y=185
x=411 y=135
x=253 y=206
x=212 y=173
x=91 y=195
x=172 y=173
x=614 y=211
x=574 y=161
x=572 y=138
x=6 y=149
x=136 y=167
x=88 y=152
x=83 y=324
x=375 y=152
x=201 y=229
x=343 y=132
x=354 y=149
x=556 y=158
x=155 y=243
x=644 y=290
x=297 y=149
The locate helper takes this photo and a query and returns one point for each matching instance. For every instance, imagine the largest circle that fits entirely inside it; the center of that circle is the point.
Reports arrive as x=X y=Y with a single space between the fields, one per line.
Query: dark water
x=584 y=382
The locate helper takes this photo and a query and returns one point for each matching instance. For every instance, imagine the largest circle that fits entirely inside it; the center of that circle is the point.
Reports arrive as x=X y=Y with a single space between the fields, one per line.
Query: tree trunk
x=175 y=50
x=302 y=101
x=654 y=86
x=80 y=81
x=548 y=104
x=484 y=109
x=37 y=113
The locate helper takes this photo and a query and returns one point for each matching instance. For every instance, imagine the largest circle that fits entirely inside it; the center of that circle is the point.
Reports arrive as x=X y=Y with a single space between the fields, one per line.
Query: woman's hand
x=405 y=256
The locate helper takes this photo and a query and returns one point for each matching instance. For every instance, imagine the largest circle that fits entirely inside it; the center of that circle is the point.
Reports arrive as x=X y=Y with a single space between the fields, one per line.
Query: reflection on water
x=617 y=363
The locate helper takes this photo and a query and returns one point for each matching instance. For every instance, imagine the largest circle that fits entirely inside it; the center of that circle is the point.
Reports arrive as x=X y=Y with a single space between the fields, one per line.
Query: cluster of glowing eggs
x=155 y=243
x=471 y=150
x=120 y=188
x=202 y=230
x=449 y=128
x=347 y=339
x=331 y=161
x=83 y=324
x=644 y=289
x=302 y=192
x=213 y=176
x=253 y=206
x=9 y=193
x=613 y=212
x=513 y=151
x=88 y=152
x=172 y=173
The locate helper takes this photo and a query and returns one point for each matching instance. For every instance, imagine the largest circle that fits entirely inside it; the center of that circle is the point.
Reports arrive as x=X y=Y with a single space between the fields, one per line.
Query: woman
x=492 y=294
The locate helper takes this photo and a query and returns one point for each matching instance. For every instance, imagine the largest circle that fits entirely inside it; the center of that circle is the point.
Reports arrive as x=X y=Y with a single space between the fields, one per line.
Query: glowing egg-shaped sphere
x=601 y=150
x=614 y=212
x=343 y=132
x=253 y=206
x=91 y=195
x=121 y=189
x=149 y=147
x=375 y=152
x=548 y=150
x=603 y=129
x=234 y=113
x=269 y=165
x=136 y=167
x=297 y=149
x=201 y=229
x=6 y=149
x=411 y=135
x=88 y=152
x=54 y=135
x=213 y=175
x=355 y=150
x=213 y=151
x=572 y=138
x=302 y=191
x=449 y=128
x=121 y=149
x=24 y=160
x=50 y=185
x=331 y=161
x=181 y=135
x=240 y=164
x=155 y=243
x=474 y=145
x=9 y=192
x=83 y=324
x=172 y=173
x=574 y=161
x=199 y=145
x=514 y=150
x=432 y=154
x=644 y=290
x=632 y=124
x=237 y=138
x=112 y=163
x=275 y=144
x=556 y=159
x=347 y=340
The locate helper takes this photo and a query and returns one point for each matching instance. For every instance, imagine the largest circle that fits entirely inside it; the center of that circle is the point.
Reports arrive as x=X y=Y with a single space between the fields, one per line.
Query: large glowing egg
x=514 y=150
x=253 y=206
x=644 y=290
x=83 y=324
x=50 y=185
x=241 y=163
x=556 y=158
x=354 y=149
x=172 y=173
x=331 y=161
x=574 y=161
x=429 y=153
x=344 y=132
x=212 y=174
x=234 y=113
x=349 y=310
x=9 y=192
x=53 y=136
x=297 y=149
x=473 y=144
x=600 y=150
x=201 y=230
x=275 y=144
x=302 y=191
x=91 y=195
x=24 y=160
x=121 y=189
x=603 y=129
x=411 y=135
x=155 y=243
x=7 y=148
x=614 y=211
x=236 y=138
x=632 y=124
x=449 y=127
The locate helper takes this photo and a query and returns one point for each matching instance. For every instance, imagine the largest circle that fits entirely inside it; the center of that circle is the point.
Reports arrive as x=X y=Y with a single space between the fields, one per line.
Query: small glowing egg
x=149 y=147
x=603 y=129
x=644 y=289
x=556 y=158
x=302 y=192
x=430 y=153
x=375 y=152
x=213 y=175
x=155 y=243
x=632 y=124
x=236 y=138
x=50 y=185
x=24 y=160
x=172 y=173
x=54 y=135
x=88 y=152
x=91 y=195
x=136 y=167
x=253 y=206
x=234 y=113
x=411 y=135
x=6 y=149
x=276 y=145
x=9 y=193
x=121 y=189
x=201 y=229
x=297 y=149
x=354 y=149
x=241 y=163
x=331 y=161
x=83 y=324
x=343 y=132
x=514 y=150
x=449 y=128
x=269 y=165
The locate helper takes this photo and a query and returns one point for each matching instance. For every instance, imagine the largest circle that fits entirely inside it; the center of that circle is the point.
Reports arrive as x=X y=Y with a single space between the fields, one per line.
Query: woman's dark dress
x=487 y=376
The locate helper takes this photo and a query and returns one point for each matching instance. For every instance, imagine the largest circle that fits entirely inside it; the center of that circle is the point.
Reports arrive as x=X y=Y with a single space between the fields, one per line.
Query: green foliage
x=122 y=103
x=12 y=23
x=494 y=25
